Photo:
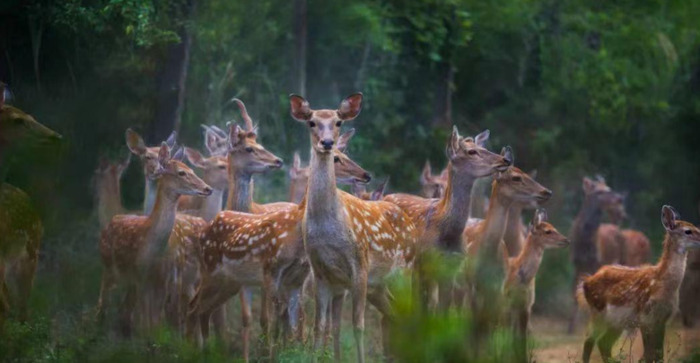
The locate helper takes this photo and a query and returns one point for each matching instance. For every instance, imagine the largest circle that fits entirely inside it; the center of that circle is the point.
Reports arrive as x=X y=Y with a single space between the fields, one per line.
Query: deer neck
x=496 y=218
x=671 y=266
x=150 y=195
x=160 y=221
x=529 y=261
x=109 y=201
x=322 y=195
x=585 y=228
x=211 y=205
x=240 y=191
x=455 y=203
x=514 y=230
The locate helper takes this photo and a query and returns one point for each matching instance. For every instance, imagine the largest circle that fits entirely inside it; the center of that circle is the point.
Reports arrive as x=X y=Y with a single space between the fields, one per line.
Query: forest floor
x=553 y=345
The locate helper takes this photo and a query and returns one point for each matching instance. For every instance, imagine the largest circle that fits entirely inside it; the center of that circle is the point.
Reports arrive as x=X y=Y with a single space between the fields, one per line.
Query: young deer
x=597 y=197
x=360 y=191
x=133 y=247
x=440 y=222
x=432 y=186
x=352 y=244
x=108 y=189
x=519 y=283
x=621 y=298
x=241 y=250
x=20 y=224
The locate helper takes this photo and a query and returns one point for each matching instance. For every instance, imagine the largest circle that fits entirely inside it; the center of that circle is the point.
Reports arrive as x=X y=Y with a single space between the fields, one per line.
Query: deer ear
x=481 y=138
x=426 y=174
x=344 y=139
x=453 y=144
x=235 y=135
x=378 y=193
x=210 y=141
x=350 y=107
x=178 y=155
x=507 y=153
x=172 y=139
x=588 y=185
x=300 y=109
x=195 y=158
x=669 y=216
x=533 y=174
x=134 y=142
x=164 y=153
x=541 y=215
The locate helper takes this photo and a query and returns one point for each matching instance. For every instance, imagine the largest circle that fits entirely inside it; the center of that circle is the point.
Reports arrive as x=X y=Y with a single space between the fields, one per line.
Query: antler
x=244 y=114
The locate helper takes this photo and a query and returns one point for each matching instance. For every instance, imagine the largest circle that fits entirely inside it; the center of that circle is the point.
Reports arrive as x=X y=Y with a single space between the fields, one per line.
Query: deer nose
x=546 y=193
x=367 y=177
x=279 y=162
x=327 y=144
x=207 y=190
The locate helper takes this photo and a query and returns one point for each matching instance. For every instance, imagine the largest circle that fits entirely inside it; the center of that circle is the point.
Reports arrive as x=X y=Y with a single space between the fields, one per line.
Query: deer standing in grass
x=598 y=197
x=108 y=189
x=133 y=247
x=352 y=244
x=20 y=224
x=519 y=283
x=621 y=298
x=441 y=222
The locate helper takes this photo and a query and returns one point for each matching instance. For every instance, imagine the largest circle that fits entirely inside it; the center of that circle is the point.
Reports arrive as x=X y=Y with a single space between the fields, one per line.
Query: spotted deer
x=133 y=247
x=622 y=298
x=440 y=222
x=352 y=244
x=107 y=178
x=432 y=186
x=360 y=191
x=519 y=283
x=241 y=250
x=21 y=229
x=598 y=197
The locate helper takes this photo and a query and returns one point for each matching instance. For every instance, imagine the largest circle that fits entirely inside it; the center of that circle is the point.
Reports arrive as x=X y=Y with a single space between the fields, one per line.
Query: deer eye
x=517 y=179
x=472 y=152
x=312 y=124
x=687 y=231
x=181 y=173
x=548 y=232
x=339 y=123
x=336 y=159
x=249 y=149
x=222 y=167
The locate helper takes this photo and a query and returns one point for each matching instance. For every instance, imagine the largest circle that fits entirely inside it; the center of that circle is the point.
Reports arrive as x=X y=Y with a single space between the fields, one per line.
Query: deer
x=441 y=222
x=107 y=179
x=132 y=247
x=359 y=190
x=352 y=244
x=625 y=298
x=21 y=229
x=432 y=186
x=621 y=246
x=598 y=197
x=519 y=282
x=298 y=180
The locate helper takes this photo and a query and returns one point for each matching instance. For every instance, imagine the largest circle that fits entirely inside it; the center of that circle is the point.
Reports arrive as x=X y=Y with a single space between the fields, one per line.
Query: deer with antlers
x=352 y=244
x=441 y=222
x=519 y=283
x=21 y=229
x=621 y=298
x=133 y=247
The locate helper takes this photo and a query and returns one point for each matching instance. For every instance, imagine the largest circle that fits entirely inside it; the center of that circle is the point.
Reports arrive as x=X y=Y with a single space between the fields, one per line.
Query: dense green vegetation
x=575 y=87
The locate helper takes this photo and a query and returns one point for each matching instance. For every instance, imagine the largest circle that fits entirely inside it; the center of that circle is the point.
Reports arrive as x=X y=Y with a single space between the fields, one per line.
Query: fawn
x=598 y=197
x=621 y=298
x=441 y=222
x=519 y=283
x=132 y=247
x=108 y=188
x=360 y=191
x=21 y=229
x=352 y=244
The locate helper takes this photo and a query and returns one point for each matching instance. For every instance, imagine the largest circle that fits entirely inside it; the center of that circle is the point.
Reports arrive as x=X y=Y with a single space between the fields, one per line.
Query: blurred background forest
x=575 y=87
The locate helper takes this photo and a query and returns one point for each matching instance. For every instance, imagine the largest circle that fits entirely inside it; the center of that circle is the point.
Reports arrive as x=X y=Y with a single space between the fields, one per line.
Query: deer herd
x=201 y=240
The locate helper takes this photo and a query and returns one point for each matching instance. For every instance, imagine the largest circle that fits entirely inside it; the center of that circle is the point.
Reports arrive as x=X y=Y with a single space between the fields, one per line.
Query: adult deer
x=20 y=225
x=107 y=180
x=440 y=222
x=352 y=244
x=621 y=298
x=597 y=197
x=519 y=284
x=133 y=247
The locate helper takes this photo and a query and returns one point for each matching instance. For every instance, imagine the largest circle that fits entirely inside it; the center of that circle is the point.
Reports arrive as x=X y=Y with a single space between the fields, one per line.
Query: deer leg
x=218 y=320
x=246 y=319
x=336 y=316
x=606 y=342
x=653 y=339
x=591 y=338
x=323 y=297
x=265 y=307
x=359 y=299
x=106 y=285
x=127 y=311
x=380 y=299
x=521 y=321
x=295 y=310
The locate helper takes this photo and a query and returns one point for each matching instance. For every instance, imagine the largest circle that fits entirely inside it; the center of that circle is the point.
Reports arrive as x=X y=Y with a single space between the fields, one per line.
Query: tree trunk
x=442 y=114
x=300 y=37
x=171 y=81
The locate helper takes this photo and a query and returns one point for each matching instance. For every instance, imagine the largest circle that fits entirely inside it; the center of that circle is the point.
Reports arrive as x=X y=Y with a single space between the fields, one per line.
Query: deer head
x=215 y=140
x=214 y=168
x=324 y=125
x=147 y=155
x=684 y=234
x=610 y=201
x=544 y=233
x=16 y=125
x=246 y=155
x=432 y=186
x=469 y=156
x=177 y=177
x=518 y=186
